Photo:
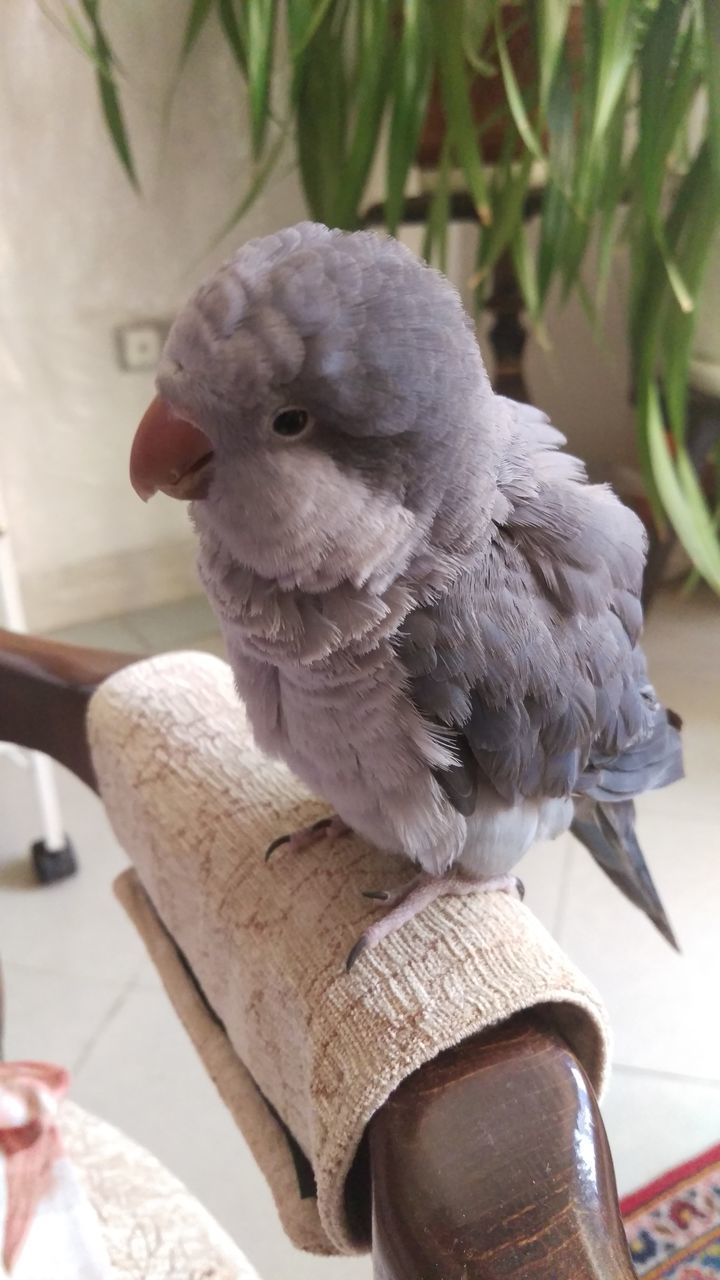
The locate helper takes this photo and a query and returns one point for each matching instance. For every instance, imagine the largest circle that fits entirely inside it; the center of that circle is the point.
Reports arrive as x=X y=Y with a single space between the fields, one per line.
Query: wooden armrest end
x=492 y=1162
x=45 y=687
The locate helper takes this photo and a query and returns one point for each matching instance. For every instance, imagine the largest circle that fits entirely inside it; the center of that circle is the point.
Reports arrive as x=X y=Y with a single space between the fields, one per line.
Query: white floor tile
x=656 y=1122
x=183 y=623
x=662 y=1005
x=543 y=871
x=144 y=1076
x=53 y=1017
x=105 y=633
x=75 y=927
x=172 y=626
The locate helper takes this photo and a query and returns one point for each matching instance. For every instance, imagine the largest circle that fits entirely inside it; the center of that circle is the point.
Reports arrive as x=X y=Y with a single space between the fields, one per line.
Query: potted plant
x=612 y=105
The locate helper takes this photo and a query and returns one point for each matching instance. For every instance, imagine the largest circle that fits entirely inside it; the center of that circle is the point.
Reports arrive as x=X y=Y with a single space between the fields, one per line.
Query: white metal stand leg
x=54 y=842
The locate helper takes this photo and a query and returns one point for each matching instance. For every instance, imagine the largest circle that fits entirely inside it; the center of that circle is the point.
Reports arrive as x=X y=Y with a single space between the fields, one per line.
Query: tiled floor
x=81 y=991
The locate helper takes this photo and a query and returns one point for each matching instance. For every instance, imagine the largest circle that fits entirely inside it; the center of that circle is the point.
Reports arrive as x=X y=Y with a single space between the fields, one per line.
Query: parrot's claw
x=355 y=952
x=324 y=829
x=275 y=844
x=410 y=899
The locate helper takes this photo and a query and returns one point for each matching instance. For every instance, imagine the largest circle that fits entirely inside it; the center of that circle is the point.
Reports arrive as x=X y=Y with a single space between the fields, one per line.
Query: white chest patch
x=499 y=835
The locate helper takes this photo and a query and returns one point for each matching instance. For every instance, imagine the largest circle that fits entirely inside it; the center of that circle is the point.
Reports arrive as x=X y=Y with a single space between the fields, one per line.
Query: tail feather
x=608 y=831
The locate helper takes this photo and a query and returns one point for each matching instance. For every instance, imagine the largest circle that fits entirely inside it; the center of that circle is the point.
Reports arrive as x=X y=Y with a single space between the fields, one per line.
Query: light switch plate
x=140 y=343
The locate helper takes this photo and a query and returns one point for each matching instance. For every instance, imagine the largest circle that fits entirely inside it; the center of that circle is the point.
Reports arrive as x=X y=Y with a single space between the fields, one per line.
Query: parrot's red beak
x=170 y=454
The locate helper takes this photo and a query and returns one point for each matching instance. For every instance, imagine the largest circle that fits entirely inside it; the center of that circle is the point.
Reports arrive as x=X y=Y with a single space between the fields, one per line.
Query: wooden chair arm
x=490 y=1162
x=45 y=688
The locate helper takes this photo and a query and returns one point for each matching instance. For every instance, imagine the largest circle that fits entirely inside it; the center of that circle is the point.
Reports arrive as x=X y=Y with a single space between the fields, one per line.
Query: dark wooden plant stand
x=490 y=1163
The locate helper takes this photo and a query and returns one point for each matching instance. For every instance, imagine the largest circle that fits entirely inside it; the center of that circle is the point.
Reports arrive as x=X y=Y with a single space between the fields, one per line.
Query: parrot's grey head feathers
x=343 y=392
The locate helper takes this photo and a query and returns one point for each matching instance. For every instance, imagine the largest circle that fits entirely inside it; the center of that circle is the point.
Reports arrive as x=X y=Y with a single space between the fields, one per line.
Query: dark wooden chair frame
x=490 y=1163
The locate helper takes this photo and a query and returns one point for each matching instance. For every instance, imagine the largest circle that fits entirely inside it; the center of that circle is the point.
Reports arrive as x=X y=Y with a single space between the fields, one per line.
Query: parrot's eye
x=291 y=422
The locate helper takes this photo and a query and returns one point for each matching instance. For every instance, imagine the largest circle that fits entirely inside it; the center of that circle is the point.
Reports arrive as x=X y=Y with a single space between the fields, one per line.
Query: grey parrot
x=431 y=615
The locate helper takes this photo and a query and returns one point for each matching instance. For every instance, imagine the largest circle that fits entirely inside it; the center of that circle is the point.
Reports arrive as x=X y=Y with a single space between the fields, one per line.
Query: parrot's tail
x=608 y=832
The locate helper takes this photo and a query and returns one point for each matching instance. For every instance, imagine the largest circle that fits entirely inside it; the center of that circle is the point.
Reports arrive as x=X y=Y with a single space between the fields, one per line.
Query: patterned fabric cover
x=153 y=1228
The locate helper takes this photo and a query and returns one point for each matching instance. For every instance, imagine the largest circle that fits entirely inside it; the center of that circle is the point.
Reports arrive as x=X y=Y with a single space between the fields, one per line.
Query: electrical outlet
x=139 y=344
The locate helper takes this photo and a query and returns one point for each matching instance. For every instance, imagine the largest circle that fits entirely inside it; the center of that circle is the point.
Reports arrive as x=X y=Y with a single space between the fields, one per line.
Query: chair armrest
x=492 y=1160
x=45 y=688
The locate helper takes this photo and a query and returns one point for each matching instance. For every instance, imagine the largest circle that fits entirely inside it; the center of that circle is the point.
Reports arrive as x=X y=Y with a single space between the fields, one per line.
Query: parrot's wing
x=532 y=659
x=653 y=760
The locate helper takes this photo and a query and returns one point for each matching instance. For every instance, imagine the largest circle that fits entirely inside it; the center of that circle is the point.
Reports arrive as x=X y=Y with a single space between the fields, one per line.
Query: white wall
x=80 y=253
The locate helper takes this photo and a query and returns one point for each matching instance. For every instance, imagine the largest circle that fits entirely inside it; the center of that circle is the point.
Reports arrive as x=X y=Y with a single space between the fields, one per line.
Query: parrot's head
x=313 y=399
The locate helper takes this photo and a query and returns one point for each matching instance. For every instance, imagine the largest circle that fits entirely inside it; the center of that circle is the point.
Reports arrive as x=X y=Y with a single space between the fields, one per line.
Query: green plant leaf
x=526 y=272
x=557 y=214
x=411 y=88
x=320 y=94
x=199 y=12
x=694 y=577
x=683 y=295
x=660 y=331
x=107 y=89
x=261 y=16
x=711 y=13
x=434 y=247
x=598 y=95
x=234 y=28
x=477 y=22
x=74 y=32
x=616 y=54
x=700 y=233
x=681 y=494
x=305 y=25
x=508 y=198
x=456 y=101
x=610 y=202
x=652 y=302
x=373 y=72
x=116 y=124
x=512 y=89
x=651 y=285
x=256 y=185
x=667 y=84
x=552 y=21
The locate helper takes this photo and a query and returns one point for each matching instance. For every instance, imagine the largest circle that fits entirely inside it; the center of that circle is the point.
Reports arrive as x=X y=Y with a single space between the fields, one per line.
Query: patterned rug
x=673 y=1225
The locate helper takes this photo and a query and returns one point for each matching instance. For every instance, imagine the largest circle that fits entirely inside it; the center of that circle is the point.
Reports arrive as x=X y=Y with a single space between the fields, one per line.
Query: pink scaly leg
x=324 y=829
x=412 y=898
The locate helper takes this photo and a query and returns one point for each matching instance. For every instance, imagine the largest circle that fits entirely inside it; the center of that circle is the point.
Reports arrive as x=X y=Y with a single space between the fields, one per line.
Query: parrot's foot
x=409 y=900
x=324 y=829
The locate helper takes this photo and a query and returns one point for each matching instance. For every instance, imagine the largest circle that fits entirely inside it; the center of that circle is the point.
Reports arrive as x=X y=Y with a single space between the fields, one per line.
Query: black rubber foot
x=53 y=865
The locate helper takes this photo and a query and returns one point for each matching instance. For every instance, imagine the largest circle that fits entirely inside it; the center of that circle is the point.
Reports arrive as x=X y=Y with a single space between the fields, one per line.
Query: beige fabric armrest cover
x=195 y=804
